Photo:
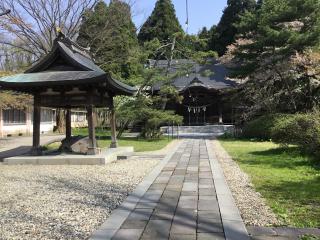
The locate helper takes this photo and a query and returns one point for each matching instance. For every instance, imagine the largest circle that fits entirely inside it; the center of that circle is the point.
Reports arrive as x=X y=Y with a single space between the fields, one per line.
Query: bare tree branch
x=34 y=22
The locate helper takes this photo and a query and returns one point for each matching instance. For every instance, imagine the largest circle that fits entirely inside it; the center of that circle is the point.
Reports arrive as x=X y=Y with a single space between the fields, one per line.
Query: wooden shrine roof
x=67 y=64
x=211 y=76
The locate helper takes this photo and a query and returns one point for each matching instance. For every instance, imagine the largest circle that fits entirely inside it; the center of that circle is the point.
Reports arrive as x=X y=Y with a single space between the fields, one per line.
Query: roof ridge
x=73 y=45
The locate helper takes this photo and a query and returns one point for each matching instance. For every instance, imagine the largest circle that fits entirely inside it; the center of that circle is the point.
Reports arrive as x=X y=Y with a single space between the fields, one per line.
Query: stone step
x=214 y=129
x=141 y=157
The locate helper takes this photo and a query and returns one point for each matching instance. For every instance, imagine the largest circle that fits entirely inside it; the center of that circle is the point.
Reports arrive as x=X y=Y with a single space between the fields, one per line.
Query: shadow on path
x=18 y=151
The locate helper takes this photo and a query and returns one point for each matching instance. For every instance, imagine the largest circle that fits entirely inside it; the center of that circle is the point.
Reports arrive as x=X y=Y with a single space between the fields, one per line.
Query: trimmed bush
x=300 y=129
x=260 y=128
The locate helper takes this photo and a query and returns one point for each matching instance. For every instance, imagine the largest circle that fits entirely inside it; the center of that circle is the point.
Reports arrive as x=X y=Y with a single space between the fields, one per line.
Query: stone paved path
x=180 y=203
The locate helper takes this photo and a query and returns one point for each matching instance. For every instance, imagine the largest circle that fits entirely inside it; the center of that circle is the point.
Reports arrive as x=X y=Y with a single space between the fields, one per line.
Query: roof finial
x=60 y=34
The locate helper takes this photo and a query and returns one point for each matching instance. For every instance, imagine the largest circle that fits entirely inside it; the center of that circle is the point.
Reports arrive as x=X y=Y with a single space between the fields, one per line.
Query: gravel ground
x=63 y=202
x=252 y=206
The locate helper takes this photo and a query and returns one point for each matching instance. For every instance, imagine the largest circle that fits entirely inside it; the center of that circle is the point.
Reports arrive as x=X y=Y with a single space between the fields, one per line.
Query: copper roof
x=66 y=64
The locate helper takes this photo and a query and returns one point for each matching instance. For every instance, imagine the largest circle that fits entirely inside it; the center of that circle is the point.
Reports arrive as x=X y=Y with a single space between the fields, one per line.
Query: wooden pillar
x=68 y=124
x=36 y=125
x=114 y=142
x=92 y=134
x=1 y=123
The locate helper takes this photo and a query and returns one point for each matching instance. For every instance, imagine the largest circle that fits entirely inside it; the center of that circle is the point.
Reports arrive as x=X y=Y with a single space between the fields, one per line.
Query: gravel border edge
x=234 y=227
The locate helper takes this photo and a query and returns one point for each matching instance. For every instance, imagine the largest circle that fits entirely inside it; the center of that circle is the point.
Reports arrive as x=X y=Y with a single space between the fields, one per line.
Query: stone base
x=36 y=151
x=114 y=145
x=106 y=156
x=78 y=144
x=94 y=151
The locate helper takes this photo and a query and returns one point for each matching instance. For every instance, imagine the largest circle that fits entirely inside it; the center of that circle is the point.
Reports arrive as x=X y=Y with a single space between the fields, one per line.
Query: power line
x=187 y=14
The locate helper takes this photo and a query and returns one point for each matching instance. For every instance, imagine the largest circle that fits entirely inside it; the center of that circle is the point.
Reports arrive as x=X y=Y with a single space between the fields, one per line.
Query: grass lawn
x=84 y=132
x=139 y=144
x=286 y=179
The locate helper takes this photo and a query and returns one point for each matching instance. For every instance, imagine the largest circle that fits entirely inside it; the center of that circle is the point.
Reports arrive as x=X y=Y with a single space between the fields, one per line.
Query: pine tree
x=259 y=3
x=162 y=23
x=204 y=33
x=226 y=31
x=279 y=29
x=110 y=34
x=280 y=54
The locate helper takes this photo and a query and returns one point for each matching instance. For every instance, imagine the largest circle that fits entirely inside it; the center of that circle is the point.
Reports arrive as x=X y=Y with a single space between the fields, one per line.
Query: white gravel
x=63 y=202
x=251 y=204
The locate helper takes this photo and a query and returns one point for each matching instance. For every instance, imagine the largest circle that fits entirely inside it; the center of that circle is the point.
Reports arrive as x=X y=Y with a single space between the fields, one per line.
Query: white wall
x=27 y=128
x=23 y=128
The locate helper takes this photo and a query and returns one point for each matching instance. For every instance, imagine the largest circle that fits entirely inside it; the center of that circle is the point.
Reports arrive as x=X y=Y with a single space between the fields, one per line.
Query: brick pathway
x=180 y=203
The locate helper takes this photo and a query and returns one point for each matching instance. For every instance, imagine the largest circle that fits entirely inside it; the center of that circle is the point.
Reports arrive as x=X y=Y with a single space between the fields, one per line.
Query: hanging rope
x=203 y=107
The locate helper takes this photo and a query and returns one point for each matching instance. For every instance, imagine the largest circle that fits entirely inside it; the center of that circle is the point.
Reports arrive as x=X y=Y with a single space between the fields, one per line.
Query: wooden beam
x=36 y=125
x=61 y=101
x=114 y=142
x=68 y=124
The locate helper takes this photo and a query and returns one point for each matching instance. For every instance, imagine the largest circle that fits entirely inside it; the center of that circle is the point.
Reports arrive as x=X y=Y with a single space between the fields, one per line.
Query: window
x=46 y=115
x=78 y=116
x=14 y=116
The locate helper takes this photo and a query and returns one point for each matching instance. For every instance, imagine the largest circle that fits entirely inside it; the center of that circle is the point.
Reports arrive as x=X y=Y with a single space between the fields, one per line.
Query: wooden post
x=68 y=124
x=36 y=125
x=114 y=142
x=92 y=134
x=1 y=123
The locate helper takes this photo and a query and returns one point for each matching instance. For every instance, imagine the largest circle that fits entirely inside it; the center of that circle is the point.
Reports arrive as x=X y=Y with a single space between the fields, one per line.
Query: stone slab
x=157 y=229
x=210 y=236
x=128 y=234
x=107 y=156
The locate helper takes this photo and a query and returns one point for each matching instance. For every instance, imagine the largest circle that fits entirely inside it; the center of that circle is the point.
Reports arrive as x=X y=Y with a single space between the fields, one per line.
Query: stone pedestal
x=80 y=145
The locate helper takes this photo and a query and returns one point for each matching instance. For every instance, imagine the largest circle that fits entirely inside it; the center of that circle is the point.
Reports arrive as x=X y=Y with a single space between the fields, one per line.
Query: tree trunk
x=123 y=127
x=60 y=121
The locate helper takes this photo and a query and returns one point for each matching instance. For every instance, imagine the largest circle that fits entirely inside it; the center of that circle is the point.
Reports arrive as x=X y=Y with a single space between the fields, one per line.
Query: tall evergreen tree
x=259 y=3
x=280 y=55
x=162 y=24
x=226 y=31
x=110 y=34
x=278 y=30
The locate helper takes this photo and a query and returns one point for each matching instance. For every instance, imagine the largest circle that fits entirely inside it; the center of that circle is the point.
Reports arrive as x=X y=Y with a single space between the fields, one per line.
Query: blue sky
x=201 y=12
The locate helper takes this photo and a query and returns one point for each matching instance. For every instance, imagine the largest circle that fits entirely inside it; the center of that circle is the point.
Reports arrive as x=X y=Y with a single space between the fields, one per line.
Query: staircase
x=189 y=131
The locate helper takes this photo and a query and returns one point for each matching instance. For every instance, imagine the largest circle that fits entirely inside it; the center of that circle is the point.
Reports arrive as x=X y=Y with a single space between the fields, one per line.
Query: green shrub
x=286 y=131
x=300 y=129
x=260 y=128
